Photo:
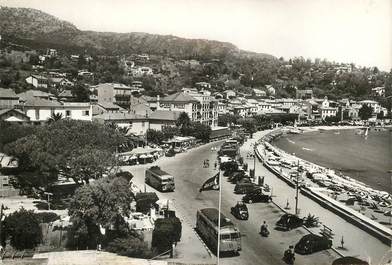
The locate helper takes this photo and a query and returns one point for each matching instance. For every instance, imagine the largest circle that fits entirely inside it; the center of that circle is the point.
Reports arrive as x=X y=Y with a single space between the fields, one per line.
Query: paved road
x=190 y=174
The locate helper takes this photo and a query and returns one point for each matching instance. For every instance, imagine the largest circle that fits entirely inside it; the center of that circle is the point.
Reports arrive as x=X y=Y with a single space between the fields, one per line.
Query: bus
x=207 y=227
x=159 y=179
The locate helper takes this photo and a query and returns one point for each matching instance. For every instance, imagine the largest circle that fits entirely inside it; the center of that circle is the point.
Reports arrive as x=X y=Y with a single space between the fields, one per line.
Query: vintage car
x=245 y=187
x=240 y=211
x=288 y=222
x=311 y=243
x=256 y=196
x=236 y=176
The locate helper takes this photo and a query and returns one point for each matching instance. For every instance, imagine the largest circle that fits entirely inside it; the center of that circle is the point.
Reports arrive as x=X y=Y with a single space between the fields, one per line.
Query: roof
x=57 y=79
x=109 y=105
x=212 y=214
x=39 y=77
x=34 y=93
x=40 y=102
x=179 y=97
x=119 y=116
x=76 y=104
x=114 y=86
x=368 y=102
x=166 y=115
x=258 y=91
x=158 y=170
x=3 y=111
x=7 y=93
x=66 y=94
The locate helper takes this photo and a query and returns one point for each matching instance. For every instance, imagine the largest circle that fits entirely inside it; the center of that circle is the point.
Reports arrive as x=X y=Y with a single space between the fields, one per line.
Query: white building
x=37 y=81
x=326 y=110
x=373 y=104
x=40 y=110
x=142 y=71
x=136 y=124
x=199 y=107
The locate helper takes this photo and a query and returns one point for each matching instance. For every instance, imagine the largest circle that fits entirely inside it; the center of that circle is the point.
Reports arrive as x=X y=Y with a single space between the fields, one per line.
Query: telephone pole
x=1 y=222
x=296 y=190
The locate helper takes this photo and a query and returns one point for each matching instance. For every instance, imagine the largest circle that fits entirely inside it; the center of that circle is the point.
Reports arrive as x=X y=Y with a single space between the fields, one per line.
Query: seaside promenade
x=356 y=241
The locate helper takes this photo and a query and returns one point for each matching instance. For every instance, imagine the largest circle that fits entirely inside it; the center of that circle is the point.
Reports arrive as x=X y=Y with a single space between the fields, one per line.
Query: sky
x=351 y=31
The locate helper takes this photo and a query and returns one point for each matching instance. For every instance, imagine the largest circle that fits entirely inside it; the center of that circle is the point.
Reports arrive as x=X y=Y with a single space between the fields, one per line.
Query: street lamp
x=296 y=190
x=48 y=194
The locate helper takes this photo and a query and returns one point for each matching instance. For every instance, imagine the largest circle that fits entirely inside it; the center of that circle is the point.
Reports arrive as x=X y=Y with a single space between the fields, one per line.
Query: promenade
x=356 y=241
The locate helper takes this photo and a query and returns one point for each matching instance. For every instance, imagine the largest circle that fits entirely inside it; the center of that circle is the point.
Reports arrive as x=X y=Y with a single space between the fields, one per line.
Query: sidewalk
x=357 y=242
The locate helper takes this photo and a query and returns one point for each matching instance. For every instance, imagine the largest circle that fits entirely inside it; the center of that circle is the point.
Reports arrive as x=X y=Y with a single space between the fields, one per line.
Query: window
x=225 y=236
x=86 y=113
x=67 y=113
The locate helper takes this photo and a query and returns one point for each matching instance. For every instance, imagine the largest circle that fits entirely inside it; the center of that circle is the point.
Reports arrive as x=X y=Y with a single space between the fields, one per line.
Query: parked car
x=244 y=188
x=289 y=221
x=240 y=211
x=256 y=197
x=309 y=244
x=236 y=176
x=170 y=152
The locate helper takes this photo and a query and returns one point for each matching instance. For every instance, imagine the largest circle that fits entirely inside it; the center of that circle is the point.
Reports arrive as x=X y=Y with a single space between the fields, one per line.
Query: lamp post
x=1 y=222
x=48 y=194
x=296 y=190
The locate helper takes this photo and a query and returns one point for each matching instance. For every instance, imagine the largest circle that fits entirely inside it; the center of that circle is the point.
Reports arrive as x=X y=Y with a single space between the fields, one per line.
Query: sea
x=365 y=158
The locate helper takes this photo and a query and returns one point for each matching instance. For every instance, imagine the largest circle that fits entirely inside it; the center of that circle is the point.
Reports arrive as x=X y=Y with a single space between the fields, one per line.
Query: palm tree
x=55 y=117
x=123 y=130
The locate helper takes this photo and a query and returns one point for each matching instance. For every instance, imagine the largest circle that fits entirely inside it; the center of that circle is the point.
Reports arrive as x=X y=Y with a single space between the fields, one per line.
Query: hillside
x=37 y=29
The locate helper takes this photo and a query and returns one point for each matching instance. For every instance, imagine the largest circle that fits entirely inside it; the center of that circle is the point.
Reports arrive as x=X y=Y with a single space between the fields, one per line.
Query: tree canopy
x=102 y=203
x=75 y=149
x=365 y=112
x=23 y=230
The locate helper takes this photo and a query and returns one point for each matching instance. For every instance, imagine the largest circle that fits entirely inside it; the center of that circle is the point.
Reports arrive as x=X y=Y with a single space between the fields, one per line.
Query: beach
x=367 y=159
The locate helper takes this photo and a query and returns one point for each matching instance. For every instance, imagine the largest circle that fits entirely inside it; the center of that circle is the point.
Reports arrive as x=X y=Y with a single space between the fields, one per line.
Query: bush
x=166 y=232
x=23 y=230
x=47 y=217
x=145 y=200
x=130 y=247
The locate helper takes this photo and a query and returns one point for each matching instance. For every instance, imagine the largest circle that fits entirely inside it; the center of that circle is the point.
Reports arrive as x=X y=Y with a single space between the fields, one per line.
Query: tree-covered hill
x=36 y=28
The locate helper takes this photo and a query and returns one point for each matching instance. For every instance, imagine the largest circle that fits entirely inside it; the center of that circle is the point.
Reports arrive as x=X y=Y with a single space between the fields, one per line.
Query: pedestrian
x=289 y=256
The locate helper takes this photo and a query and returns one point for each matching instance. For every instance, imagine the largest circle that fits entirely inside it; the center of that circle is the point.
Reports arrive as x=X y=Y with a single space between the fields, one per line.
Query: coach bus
x=207 y=227
x=159 y=179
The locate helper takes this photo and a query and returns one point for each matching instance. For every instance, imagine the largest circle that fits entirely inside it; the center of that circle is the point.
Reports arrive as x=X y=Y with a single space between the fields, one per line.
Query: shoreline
x=322 y=194
x=277 y=133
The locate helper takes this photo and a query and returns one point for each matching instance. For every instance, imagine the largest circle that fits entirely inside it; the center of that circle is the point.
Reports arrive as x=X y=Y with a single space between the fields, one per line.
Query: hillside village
x=142 y=91
x=87 y=120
